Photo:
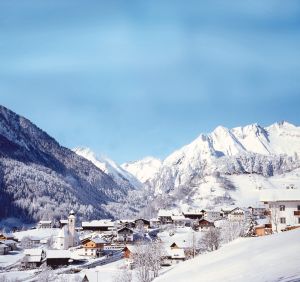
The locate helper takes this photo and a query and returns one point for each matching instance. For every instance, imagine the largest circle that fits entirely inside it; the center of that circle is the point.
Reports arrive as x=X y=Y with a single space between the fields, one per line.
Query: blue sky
x=136 y=78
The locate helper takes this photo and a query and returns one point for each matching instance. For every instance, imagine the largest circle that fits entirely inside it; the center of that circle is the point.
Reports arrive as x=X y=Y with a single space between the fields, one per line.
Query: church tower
x=71 y=228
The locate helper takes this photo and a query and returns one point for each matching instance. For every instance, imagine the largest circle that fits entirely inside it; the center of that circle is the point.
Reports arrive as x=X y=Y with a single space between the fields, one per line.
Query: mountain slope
x=120 y=176
x=246 y=259
x=144 y=169
x=40 y=179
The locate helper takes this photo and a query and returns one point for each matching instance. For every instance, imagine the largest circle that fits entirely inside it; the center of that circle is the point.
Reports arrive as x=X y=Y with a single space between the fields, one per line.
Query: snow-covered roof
x=33 y=258
x=45 y=222
x=3 y=246
x=64 y=221
x=33 y=252
x=193 y=212
x=98 y=240
x=178 y=217
x=175 y=253
x=165 y=213
x=124 y=228
x=8 y=242
x=131 y=248
x=98 y=223
x=273 y=195
x=51 y=254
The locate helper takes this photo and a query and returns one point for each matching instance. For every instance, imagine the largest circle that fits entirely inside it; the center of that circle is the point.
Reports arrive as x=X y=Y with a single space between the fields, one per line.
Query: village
x=77 y=250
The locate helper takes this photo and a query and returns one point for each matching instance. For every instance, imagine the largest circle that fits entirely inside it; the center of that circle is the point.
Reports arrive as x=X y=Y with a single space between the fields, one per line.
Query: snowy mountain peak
x=144 y=169
x=120 y=176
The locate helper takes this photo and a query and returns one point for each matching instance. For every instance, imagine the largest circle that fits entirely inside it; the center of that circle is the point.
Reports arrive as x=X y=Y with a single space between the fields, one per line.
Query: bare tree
x=156 y=253
x=123 y=276
x=211 y=240
x=26 y=243
x=231 y=230
x=147 y=258
x=142 y=262
x=46 y=275
x=274 y=217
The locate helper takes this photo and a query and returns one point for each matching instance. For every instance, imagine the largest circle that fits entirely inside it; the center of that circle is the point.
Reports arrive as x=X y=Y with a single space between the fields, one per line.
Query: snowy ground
x=43 y=233
x=262 y=259
x=10 y=259
x=17 y=275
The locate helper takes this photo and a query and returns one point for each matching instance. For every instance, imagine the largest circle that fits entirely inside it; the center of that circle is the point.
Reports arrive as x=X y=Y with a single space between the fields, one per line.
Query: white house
x=125 y=235
x=212 y=215
x=173 y=256
x=237 y=214
x=44 y=224
x=179 y=220
x=283 y=206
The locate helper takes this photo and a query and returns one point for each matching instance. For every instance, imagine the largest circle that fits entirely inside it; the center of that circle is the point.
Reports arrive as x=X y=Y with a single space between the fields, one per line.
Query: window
x=282 y=220
x=282 y=207
x=298 y=220
x=298 y=207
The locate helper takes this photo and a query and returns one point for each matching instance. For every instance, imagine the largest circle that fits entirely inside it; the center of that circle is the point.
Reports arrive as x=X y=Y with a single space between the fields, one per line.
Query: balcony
x=297 y=213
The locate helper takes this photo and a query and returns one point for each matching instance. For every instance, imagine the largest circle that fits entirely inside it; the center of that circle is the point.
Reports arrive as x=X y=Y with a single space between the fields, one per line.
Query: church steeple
x=71 y=227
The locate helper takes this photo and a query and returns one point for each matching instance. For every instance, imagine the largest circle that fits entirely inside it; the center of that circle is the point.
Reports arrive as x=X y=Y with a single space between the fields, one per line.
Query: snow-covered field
x=10 y=259
x=271 y=258
x=40 y=234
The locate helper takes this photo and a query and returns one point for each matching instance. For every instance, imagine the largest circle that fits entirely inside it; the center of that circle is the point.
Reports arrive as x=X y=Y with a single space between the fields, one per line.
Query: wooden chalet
x=129 y=251
x=164 y=216
x=125 y=235
x=93 y=246
x=194 y=215
x=7 y=236
x=98 y=225
x=204 y=225
x=142 y=222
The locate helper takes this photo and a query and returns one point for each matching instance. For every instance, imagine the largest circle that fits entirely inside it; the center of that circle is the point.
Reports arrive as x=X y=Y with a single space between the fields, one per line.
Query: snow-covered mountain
x=215 y=168
x=41 y=179
x=120 y=175
x=144 y=169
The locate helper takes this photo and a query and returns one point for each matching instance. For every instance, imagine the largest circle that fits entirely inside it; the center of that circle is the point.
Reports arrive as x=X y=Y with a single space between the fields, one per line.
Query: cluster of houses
x=279 y=211
x=7 y=243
